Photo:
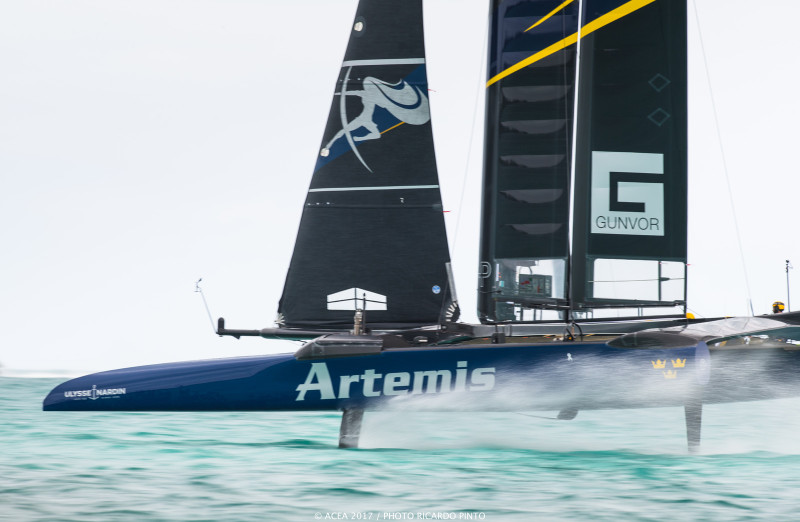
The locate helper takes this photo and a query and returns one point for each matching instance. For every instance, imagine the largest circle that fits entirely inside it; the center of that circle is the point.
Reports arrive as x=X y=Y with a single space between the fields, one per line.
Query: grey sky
x=146 y=144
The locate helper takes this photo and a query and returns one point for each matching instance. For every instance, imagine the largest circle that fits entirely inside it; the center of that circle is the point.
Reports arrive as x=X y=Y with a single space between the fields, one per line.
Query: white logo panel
x=627 y=193
x=356 y=299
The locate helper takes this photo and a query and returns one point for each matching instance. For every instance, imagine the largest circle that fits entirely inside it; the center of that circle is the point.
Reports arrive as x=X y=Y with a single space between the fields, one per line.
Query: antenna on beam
x=200 y=291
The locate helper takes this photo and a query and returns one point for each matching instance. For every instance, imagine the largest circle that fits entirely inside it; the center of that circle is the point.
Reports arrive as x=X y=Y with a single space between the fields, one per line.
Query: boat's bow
x=216 y=384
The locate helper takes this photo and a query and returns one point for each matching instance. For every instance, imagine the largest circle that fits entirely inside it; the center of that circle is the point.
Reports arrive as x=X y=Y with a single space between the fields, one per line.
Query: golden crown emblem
x=670 y=374
x=680 y=363
x=658 y=364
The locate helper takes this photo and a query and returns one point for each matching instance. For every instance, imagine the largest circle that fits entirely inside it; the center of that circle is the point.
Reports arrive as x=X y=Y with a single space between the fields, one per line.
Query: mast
x=570 y=283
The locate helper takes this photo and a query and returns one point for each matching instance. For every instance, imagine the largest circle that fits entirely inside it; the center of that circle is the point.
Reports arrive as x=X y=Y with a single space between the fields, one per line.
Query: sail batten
x=383 y=61
x=387 y=187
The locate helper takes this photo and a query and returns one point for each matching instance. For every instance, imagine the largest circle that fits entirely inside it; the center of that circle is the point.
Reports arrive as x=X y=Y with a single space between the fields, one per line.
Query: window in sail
x=638 y=280
x=527 y=281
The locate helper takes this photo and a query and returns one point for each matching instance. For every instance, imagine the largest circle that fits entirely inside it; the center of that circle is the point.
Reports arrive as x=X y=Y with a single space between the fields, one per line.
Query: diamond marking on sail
x=659 y=82
x=659 y=116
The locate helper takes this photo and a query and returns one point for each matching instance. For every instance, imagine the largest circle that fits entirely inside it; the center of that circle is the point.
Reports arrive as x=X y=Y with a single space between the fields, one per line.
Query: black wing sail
x=629 y=241
x=372 y=234
x=627 y=248
x=526 y=192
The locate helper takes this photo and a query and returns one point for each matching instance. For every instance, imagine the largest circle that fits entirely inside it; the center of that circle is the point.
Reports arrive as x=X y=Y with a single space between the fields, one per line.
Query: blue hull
x=509 y=377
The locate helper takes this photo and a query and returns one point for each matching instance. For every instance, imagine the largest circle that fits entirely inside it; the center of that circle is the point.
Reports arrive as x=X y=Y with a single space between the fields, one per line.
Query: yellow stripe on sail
x=544 y=53
x=594 y=25
x=613 y=16
x=392 y=127
x=549 y=15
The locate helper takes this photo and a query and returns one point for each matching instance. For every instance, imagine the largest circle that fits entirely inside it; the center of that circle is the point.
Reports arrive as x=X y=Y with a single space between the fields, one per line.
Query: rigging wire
x=200 y=291
x=724 y=161
x=480 y=85
x=460 y=207
x=694 y=312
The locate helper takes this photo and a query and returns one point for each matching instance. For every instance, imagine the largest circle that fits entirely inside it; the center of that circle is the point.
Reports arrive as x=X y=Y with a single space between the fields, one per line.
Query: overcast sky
x=145 y=144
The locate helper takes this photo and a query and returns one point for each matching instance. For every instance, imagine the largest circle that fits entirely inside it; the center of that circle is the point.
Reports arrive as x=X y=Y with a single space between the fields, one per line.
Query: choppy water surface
x=611 y=465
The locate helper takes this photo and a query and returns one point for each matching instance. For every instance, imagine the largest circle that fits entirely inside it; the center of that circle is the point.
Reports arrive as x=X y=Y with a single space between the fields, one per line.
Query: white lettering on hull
x=94 y=393
x=375 y=384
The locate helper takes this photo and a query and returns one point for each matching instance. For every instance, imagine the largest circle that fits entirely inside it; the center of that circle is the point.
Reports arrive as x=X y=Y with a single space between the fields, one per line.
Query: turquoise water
x=612 y=465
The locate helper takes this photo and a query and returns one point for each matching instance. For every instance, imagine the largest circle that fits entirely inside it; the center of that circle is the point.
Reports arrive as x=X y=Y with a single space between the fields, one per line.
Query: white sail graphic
x=405 y=102
x=356 y=299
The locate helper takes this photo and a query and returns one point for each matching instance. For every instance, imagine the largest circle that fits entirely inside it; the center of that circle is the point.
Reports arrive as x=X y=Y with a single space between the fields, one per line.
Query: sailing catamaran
x=582 y=277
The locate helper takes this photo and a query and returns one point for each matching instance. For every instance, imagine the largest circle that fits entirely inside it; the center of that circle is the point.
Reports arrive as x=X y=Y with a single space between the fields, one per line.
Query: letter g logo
x=627 y=193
